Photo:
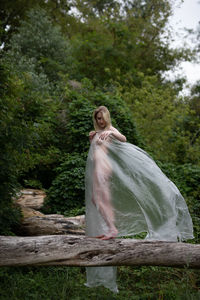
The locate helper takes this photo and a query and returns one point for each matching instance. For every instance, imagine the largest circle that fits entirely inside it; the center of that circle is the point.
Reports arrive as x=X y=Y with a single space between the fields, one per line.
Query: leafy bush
x=12 y=139
x=23 y=111
x=67 y=190
x=78 y=122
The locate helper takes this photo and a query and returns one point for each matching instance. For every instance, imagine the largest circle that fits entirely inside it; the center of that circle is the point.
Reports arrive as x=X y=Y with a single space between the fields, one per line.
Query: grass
x=67 y=283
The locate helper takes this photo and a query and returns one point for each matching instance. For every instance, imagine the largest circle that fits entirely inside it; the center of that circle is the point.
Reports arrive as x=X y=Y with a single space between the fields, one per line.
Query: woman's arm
x=118 y=135
x=114 y=132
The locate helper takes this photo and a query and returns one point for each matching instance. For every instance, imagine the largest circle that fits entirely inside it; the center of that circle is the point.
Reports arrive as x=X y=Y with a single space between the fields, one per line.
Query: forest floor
x=67 y=283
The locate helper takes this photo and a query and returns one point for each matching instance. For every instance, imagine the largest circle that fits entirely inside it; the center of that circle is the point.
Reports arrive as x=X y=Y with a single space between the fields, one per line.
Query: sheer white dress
x=124 y=180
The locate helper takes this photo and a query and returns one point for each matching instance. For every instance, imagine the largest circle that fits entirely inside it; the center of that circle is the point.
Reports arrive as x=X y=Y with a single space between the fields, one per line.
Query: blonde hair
x=106 y=116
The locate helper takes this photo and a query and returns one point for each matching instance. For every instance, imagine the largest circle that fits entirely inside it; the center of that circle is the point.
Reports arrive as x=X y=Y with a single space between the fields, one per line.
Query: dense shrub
x=67 y=189
x=12 y=139
x=78 y=123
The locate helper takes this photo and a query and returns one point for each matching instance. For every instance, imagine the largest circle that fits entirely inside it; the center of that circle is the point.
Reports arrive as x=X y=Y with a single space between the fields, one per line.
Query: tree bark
x=31 y=198
x=51 y=225
x=36 y=223
x=84 y=251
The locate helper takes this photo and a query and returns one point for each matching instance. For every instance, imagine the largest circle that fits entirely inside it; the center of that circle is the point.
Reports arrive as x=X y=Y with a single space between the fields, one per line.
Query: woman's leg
x=102 y=198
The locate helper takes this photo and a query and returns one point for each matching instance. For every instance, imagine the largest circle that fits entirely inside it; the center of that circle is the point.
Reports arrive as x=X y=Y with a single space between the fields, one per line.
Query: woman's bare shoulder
x=114 y=129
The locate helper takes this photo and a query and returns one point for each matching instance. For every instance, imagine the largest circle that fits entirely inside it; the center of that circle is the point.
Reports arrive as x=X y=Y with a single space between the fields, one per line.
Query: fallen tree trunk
x=51 y=225
x=36 y=223
x=84 y=251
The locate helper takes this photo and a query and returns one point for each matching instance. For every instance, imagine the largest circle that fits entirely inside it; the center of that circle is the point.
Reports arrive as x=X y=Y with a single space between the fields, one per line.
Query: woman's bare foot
x=110 y=235
x=100 y=236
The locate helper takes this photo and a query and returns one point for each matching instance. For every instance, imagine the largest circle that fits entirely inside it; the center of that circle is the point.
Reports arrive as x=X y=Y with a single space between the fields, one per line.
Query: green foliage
x=124 y=39
x=166 y=121
x=29 y=119
x=40 y=47
x=12 y=140
x=40 y=107
x=67 y=190
x=117 y=55
x=157 y=283
x=23 y=111
x=10 y=15
x=67 y=283
x=33 y=183
x=79 y=122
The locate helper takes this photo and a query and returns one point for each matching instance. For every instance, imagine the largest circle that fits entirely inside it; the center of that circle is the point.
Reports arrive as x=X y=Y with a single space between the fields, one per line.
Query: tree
x=164 y=120
x=121 y=41
x=10 y=14
x=40 y=45
x=13 y=12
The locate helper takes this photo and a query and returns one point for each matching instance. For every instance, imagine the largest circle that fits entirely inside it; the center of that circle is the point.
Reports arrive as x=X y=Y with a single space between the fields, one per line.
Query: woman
x=102 y=168
x=126 y=194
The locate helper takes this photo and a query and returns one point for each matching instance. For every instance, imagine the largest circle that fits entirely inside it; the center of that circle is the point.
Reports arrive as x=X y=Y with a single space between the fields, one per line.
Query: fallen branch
x=84 y=251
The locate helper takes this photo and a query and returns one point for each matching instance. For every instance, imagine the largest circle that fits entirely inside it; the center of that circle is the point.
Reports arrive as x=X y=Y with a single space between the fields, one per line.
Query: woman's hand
x=91 y=135
x=105 y=134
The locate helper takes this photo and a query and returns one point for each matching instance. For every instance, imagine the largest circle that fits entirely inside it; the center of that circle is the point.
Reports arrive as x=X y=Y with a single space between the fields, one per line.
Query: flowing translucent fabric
x=124 y=183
